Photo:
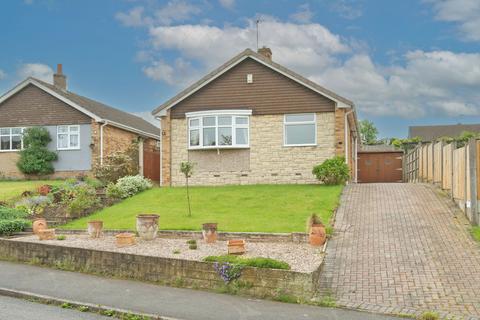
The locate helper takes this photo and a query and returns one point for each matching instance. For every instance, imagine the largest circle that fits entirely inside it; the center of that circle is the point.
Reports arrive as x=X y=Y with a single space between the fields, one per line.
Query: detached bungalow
x=254 y=121
x=83 y=131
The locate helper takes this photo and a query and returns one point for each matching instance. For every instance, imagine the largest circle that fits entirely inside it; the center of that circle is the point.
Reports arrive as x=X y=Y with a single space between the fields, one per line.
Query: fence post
x=454 y=146
x=442 y=144
x=473 y=179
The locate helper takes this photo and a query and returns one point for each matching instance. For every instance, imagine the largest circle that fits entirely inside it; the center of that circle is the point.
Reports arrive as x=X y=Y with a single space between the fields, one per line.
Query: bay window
x=300 y=129
x=219 y=129
x=11 y=139
x=68 y=137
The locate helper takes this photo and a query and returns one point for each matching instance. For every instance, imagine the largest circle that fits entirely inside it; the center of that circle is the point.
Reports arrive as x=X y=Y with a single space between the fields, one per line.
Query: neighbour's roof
x=379 y=148
x=248 y=53
x=101 y=112
x=430 y=133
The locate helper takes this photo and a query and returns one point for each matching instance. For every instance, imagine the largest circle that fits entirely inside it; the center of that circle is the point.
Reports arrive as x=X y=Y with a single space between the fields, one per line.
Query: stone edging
x=93 y=308
x=295 y=237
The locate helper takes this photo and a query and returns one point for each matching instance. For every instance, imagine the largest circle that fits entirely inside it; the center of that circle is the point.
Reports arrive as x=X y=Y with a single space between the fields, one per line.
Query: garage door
x=379 y=167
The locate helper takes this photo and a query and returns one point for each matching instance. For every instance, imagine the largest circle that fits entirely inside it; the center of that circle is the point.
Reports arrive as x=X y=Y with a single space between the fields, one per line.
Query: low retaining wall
x=295 y=237
x=262 y=283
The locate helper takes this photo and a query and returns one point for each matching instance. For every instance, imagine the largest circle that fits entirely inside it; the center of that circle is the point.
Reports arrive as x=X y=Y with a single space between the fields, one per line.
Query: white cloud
x=133 y=18
x=36 y=70
x=466 y=13
x=228 y=4
x=176 y=10
x=173 y=11
x=303 y=15
x=180 y=73
x=299 y=46
x=3 y=75
x=347 y=9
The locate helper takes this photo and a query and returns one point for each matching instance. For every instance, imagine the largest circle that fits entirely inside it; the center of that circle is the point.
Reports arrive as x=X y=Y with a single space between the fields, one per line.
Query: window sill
x=68 y=149
x=6 y=151
x=218 y=147
x=299 y=145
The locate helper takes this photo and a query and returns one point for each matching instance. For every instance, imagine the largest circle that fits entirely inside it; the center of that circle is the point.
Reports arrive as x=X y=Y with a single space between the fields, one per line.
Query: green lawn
x=476 y=233
x=258 y=208
x=13 y=189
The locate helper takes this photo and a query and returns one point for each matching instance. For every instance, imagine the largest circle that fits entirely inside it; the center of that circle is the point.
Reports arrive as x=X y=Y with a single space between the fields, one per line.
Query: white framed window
x=11 y=139
x=300 y=129
x=68 y=137
x=219 y=129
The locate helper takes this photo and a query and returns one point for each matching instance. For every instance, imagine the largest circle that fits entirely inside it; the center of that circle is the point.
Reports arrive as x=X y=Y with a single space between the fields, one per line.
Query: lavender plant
x=228 y=271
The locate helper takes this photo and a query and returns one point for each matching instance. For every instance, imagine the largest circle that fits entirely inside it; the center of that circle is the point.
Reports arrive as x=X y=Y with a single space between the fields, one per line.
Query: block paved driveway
x=402 y=248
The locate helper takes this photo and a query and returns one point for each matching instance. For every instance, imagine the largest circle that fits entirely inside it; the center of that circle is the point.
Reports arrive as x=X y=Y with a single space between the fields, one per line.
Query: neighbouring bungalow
x=253 y=121
x=84 y=132
x=432 y=133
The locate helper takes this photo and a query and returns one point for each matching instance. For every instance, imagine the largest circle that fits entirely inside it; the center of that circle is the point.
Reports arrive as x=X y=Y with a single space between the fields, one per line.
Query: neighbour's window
x=218 y=131
x=68 y=137
x=300 y=129
x=11 y=139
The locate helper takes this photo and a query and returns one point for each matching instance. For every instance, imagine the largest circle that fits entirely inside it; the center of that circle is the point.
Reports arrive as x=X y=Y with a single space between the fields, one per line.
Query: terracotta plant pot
x=317 y=235
x=125 y=239
x=95 y=228
x=39 y=224
x=147 y=226
x=46 y=234
x=209 y=231
x=236 y=246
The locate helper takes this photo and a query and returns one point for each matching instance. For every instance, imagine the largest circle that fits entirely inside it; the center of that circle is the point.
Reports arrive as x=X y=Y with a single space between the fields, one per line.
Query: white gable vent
x=249 y=78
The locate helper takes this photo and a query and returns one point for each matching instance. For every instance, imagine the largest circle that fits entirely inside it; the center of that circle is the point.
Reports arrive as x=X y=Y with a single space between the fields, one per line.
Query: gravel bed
x=300 y=257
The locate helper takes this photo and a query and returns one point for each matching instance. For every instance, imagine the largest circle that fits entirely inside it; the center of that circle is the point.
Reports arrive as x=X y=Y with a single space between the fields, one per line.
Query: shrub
x=258 y=262
x=332 y=171
x=10 y=213
x=80 y=198
x=8 y=227
x=35 y=158
x=61 y=237
x=118 y=165
x=33 y=205
x=128 y=186
x=429 y=315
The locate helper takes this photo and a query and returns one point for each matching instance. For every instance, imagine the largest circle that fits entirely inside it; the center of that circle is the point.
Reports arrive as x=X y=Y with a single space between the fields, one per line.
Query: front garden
x=12 y=189
x=253 y=208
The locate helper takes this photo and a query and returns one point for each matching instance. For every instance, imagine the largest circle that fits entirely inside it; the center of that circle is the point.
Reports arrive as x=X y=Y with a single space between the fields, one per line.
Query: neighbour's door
x=151 y=165
x=379 y=167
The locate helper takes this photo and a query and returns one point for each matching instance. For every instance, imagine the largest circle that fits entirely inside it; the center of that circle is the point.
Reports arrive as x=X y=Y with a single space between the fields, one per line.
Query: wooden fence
x=454 y=169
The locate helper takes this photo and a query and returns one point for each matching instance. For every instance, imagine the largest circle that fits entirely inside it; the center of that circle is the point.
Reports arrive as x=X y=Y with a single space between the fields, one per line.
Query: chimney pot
x=59 y=79
x=266 y=52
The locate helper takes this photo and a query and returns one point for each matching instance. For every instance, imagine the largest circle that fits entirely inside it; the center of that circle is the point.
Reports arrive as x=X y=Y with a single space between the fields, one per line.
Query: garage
x=380 y=165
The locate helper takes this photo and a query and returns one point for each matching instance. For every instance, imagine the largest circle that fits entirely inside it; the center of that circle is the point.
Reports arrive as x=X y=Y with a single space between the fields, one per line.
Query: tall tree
x=368 y=132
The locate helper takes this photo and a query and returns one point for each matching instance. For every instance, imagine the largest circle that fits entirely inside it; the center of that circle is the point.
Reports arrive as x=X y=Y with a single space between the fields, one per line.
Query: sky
x=409 y=62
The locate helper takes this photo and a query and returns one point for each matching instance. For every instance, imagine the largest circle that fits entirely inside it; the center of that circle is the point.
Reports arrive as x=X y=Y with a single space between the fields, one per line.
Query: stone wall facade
x=257 y=282
x=266 y=161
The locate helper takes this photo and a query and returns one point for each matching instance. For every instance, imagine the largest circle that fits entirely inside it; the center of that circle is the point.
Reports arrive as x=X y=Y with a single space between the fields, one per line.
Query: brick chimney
x=59 y=79
x=266 y=52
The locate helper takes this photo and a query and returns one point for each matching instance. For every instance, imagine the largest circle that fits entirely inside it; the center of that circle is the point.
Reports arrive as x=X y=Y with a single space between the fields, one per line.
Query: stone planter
x=236 y=246
x=147 y=226
x=317 y=235
x=46 y=234
x=125 y=239
x=95 y=228
x=209 y=232
x=39 y=224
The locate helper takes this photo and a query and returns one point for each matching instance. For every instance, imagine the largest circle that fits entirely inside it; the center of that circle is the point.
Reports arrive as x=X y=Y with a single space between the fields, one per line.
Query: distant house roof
x=248 y=53
x=430 y=133
x=379 y=148
x=98 y=111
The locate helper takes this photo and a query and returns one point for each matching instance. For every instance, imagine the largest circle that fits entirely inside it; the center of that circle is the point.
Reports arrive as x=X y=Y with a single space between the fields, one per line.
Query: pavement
x=402 y=248
x=153 y=299
x=18 y=309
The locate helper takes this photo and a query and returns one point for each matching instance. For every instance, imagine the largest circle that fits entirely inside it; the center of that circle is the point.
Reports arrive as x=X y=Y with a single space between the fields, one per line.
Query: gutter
x=101 y=142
